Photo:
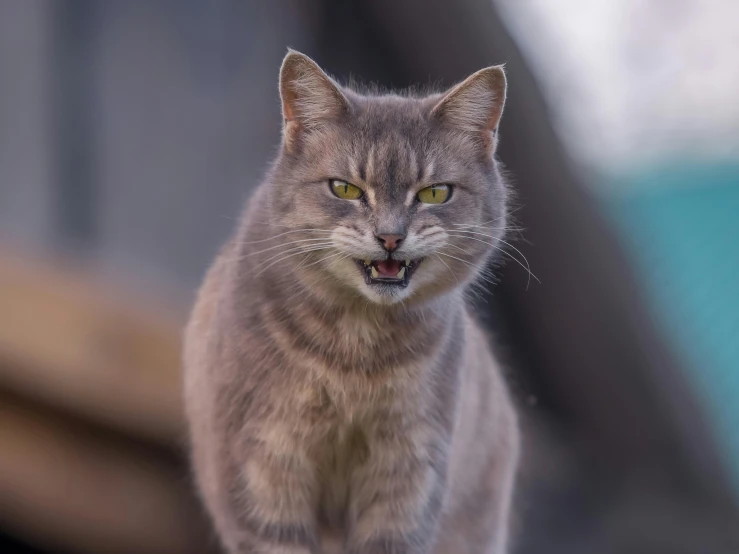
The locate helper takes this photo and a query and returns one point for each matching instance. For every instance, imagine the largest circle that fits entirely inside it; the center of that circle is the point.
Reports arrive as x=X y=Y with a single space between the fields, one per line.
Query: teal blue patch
x=681 y=227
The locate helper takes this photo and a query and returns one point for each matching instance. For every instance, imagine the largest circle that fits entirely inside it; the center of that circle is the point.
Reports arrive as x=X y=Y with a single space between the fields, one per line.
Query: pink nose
x=390 y=242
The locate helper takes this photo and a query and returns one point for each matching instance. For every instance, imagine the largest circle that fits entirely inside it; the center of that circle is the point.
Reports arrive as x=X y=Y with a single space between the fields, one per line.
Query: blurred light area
x=644 y=94
x=633 y=82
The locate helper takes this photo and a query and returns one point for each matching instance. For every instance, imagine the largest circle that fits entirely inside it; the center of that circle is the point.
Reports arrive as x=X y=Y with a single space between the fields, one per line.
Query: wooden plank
x=63 y=486
x=68 y=339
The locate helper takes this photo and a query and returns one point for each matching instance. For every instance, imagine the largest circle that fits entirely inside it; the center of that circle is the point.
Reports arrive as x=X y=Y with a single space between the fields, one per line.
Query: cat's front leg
x=271 y=500
x=396 y=498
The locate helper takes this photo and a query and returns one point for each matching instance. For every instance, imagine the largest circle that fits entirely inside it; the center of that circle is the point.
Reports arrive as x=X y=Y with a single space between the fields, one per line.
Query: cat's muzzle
x=389 y=271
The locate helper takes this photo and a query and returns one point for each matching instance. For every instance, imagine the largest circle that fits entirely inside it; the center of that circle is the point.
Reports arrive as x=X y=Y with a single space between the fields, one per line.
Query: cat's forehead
x=391 y=142
x=390 y=159
x=393 y=115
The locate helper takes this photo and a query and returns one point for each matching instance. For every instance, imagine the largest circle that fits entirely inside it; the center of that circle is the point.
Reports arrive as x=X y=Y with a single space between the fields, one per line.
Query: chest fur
x=353 y=419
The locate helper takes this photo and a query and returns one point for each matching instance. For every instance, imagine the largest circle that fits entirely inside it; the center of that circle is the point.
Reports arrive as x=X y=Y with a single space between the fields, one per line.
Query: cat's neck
x=344 y=332
x=334 y=306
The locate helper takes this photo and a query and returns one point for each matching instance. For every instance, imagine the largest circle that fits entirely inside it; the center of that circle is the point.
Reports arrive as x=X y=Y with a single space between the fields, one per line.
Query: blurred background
x=132 y=132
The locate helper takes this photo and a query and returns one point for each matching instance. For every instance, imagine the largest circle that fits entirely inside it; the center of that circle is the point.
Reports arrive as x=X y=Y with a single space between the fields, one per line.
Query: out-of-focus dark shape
x=71 y=487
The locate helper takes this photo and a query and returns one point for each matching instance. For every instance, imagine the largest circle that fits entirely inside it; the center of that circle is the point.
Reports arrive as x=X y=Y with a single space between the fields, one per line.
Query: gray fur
x=325 y=411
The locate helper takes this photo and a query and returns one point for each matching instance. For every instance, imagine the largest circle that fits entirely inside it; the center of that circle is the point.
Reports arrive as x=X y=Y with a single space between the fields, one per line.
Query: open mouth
x=388 y=272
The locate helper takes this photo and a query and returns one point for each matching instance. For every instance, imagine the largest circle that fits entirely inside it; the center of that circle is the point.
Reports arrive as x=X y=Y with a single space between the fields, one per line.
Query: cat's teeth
x=401 y=273
x=375 y=275
x=408 y=262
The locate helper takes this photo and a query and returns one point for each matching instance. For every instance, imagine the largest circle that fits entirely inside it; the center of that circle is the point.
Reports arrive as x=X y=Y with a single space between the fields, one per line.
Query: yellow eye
x=345 y=191
x=435 y=194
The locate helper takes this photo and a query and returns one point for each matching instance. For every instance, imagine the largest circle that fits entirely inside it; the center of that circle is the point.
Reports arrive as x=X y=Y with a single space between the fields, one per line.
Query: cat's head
x=391 y=197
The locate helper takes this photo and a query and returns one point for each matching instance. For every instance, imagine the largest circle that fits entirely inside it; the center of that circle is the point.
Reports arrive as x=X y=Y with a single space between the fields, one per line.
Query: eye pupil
x=435 y=194
x=344 y=190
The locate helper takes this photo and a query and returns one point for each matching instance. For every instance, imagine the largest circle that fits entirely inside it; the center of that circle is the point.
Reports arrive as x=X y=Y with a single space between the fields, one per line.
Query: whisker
x=283 y=256
x=511 y=256
x=326 y=258
x=495 y=238
x=327 y=231
x=475 y=226
x=503 y=230
x=487 y=271
x=275 y=224
x=286 y=244
x=525 y=266
x=494 y=219
x=302 y=248
x=303 y=262
x=292 y=249
x=447 y=266
x=477 y=270
x=466 y=252
x=348 y=241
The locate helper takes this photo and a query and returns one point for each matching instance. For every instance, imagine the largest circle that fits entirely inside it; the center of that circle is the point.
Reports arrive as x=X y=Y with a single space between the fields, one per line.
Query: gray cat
x=340 y=396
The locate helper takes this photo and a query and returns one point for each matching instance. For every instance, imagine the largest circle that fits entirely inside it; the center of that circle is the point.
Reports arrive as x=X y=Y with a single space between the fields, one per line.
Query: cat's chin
x=387 y=281
x=419 y=281
x=387 y=295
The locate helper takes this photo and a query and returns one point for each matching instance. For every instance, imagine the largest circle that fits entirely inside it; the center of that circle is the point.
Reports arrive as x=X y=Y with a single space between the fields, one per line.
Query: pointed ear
x=476 y=104
x=309 y=96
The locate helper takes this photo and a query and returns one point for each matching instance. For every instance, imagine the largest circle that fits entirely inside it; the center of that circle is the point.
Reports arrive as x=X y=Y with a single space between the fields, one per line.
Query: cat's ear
x=476 y=104
x=309 y=96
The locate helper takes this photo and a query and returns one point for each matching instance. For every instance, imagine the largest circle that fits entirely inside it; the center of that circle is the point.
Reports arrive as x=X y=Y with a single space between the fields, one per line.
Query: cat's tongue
x=388 y=268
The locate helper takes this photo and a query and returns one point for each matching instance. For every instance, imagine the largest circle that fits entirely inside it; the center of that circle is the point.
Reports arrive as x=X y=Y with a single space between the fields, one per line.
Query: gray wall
x=25 y=149
x=132 y=132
